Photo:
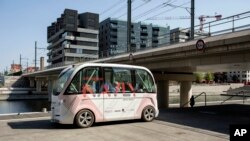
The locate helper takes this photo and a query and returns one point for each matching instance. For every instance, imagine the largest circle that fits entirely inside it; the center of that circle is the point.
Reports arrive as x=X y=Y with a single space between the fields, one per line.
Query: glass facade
x=113 y=37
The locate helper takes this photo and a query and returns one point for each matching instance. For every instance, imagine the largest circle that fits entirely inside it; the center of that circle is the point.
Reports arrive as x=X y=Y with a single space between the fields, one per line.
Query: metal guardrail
x=242 y=94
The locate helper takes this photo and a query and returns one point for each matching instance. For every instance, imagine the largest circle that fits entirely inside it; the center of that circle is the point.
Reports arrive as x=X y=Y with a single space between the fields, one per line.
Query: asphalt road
x=197 y=124
x=42 y=130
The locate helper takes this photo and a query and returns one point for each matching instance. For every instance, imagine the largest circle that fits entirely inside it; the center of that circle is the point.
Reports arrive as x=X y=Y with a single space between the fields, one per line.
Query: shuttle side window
x=117 y=80
x=144 y=82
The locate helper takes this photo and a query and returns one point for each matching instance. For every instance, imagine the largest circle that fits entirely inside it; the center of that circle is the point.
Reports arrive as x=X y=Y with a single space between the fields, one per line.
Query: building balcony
x=86 y=39
x=154 y=44
x=144 y=31
x=155 y=28
x=133 y=41
x=155 y=39
x=113 y=21
x=155 y=33
x=143 y=46
x=112 y=33
x=93 y=56
x=143 y=26
x=143 y=38
x=49 y=53
x=114 y=40
x=55 y=58
x=144 y=34
x=113 y=26
x=84 y=47
x=55 y=35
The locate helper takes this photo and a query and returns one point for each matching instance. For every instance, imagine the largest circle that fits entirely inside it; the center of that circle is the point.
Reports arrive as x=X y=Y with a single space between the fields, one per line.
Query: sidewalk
x=23 y=115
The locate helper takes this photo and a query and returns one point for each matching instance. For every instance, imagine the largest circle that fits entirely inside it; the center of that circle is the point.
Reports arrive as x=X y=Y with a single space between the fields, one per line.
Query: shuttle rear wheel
x=148 y=114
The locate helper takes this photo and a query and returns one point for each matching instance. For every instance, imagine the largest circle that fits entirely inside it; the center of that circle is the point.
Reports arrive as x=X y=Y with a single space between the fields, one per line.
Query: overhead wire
x=145 y=2
x=162 y=5
x=117 y=10
x=168 y=10
x=112 y=6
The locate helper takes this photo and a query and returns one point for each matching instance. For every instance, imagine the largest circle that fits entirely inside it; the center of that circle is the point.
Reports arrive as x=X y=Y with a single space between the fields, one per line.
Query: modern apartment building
x=73 y=38
x=178 y=35
x=238 y=76
x=113 y=36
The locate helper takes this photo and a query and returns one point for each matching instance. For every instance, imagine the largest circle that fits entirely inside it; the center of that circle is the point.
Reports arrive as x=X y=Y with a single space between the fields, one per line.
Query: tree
x=199 y=77
x=209 y=77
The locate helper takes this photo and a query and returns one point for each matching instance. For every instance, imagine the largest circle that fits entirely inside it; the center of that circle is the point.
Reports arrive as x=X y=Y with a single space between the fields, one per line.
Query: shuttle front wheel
x=84 y=118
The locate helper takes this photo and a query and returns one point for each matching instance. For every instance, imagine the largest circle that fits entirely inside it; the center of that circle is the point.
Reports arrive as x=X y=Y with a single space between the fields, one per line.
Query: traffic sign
x=200 y=45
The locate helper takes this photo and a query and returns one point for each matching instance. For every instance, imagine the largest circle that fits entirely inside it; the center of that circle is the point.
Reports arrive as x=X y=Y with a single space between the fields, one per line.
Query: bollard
x=44 y=110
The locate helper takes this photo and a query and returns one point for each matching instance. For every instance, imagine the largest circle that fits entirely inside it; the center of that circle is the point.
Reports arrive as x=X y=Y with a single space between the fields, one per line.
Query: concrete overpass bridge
x=178 y=62
x=175 y=62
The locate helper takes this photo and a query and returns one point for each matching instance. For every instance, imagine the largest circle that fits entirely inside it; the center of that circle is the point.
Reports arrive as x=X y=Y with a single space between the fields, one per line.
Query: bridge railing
x=227 y=25
x=243 y=93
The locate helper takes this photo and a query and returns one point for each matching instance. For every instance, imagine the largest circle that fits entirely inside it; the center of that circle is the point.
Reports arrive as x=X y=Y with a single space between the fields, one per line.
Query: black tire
x=148 y=114
x=84 y=119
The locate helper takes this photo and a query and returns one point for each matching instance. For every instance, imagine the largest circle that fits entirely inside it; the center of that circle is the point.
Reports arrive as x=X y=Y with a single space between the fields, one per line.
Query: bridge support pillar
x=38 y=85
x=51 y=84
x=163 y=93
x=185 y=93
x=32 y=82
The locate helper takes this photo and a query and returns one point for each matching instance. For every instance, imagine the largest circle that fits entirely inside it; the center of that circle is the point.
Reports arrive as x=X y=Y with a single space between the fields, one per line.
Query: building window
x=85 y=43
x=70 y=59
x=79 y=51
x=88 y=35
x=89 y=52
x=72 y=50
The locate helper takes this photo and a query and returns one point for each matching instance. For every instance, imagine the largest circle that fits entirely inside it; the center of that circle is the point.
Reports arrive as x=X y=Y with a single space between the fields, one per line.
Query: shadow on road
x=38 y=124
x=215 y=118
x=46 y=124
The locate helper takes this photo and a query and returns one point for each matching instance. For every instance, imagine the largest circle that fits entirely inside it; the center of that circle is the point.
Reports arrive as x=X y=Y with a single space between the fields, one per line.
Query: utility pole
x=129 y=27
x=36 y=48
x=192 y=20
x=35 y=54
x=20 y=60
x=27 y=66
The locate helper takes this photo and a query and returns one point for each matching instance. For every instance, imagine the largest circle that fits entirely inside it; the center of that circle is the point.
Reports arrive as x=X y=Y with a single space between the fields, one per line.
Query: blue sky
x=22 y=22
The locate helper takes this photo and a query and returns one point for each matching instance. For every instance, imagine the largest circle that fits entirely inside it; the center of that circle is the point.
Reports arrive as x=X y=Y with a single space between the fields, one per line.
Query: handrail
x=236 y=94
x=197 y=97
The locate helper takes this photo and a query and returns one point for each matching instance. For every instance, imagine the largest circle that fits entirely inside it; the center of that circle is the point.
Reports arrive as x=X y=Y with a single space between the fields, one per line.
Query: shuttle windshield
x=63 y=77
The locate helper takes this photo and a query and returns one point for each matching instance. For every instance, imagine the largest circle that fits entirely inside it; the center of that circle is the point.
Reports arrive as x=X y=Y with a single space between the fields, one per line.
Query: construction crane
x=202 y=19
